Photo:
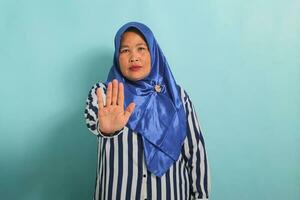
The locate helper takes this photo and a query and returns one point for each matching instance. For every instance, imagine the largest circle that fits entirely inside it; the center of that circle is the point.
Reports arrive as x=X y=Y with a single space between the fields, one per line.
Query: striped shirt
x=122 y=171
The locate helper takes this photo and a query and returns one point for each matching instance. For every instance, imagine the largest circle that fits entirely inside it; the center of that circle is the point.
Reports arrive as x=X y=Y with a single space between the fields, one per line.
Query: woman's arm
x=196 y=154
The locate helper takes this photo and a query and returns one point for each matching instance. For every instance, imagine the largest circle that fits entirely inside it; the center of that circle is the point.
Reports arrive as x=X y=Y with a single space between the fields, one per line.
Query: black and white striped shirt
x=121 y=169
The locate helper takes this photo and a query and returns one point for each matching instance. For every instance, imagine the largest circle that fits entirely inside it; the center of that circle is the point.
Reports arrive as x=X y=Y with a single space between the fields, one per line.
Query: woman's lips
x=135 y=68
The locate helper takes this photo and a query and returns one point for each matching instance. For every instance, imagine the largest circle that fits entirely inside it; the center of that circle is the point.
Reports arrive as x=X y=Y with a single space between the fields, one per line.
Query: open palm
x=112 y=116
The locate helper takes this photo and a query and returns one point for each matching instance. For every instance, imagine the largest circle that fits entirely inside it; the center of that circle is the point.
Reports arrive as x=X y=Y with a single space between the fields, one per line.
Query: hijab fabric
x=159 y=115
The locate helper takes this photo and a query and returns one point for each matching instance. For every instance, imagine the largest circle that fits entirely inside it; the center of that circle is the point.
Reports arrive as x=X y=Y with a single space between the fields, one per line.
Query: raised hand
x=112 y=116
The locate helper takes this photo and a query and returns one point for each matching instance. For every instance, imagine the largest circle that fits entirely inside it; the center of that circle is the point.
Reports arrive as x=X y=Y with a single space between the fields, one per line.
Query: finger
x=121 y=95
x=108 y=94
x=100 y=98
x=114 y=92
x=129 y=110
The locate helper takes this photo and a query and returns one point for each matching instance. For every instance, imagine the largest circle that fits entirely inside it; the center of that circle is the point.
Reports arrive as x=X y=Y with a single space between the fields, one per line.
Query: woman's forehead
x=132 y=38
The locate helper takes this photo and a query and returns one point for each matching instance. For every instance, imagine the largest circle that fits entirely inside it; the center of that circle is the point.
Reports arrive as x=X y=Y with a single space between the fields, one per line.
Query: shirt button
x=144 y=175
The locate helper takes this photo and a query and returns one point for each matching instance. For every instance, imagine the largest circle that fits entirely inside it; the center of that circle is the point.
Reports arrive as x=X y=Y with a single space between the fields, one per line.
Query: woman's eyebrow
x=127 y=46
x=124 y=46
x=139 y=44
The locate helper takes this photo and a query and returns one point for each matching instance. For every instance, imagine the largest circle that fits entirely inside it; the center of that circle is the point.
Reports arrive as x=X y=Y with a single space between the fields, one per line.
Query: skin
x=134 y=53
x=112 y=116
x=135 y=65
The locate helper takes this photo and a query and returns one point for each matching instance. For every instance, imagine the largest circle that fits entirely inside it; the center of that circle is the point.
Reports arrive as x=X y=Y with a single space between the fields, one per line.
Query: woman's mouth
x=135 y=68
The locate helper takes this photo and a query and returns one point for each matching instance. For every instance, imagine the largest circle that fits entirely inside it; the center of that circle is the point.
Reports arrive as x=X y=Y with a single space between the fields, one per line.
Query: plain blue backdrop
x=238 y=60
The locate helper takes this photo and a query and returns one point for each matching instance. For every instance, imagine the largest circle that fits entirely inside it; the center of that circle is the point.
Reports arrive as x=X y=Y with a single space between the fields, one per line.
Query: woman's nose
x=134 y=57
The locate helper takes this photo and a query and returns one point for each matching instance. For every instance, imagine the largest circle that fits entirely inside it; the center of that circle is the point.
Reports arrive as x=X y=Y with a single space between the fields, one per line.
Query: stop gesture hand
x=112 y=116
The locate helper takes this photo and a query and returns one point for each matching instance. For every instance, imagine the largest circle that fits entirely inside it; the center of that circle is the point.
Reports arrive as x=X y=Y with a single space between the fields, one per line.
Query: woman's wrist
x=107 y=134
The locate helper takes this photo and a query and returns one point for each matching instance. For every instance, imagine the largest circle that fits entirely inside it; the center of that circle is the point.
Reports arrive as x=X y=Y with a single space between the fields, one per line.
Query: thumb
x=129 y=110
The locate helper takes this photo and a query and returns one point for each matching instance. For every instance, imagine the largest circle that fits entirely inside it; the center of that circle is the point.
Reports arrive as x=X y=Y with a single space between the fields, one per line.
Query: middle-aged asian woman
x=150 y=145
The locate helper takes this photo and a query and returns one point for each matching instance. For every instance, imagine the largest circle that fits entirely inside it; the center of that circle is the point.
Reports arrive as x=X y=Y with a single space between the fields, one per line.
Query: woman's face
x=134 y=57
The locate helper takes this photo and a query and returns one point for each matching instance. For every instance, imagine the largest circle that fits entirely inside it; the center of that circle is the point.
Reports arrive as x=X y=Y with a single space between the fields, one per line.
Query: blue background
x=238 y=60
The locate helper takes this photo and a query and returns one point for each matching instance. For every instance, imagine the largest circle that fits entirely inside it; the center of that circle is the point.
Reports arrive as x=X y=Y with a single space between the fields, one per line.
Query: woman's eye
x=141 y=48
x=124 y=51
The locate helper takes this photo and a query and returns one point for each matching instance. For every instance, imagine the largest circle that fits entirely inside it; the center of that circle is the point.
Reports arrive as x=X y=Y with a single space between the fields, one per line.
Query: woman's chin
x=136 y=76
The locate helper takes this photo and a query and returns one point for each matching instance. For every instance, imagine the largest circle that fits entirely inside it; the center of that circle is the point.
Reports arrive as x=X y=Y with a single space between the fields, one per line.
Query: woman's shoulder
x=183 y=94
x=182 y=91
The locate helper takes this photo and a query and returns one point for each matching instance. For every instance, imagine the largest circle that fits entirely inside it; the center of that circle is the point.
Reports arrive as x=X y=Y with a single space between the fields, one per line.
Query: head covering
x=159 y=115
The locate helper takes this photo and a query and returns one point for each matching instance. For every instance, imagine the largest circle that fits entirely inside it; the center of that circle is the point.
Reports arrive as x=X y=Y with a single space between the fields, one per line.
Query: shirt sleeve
x=91 y=111
x=199 y=174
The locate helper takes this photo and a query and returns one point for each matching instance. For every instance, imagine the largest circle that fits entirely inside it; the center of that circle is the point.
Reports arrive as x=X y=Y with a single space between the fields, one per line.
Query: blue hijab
x=159 y=115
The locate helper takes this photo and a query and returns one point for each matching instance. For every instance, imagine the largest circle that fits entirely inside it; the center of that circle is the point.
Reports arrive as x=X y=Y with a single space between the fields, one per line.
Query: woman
x=150 y=143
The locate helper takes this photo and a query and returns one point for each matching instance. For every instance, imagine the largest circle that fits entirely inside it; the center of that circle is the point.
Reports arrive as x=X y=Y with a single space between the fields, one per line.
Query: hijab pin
x=157 y=88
